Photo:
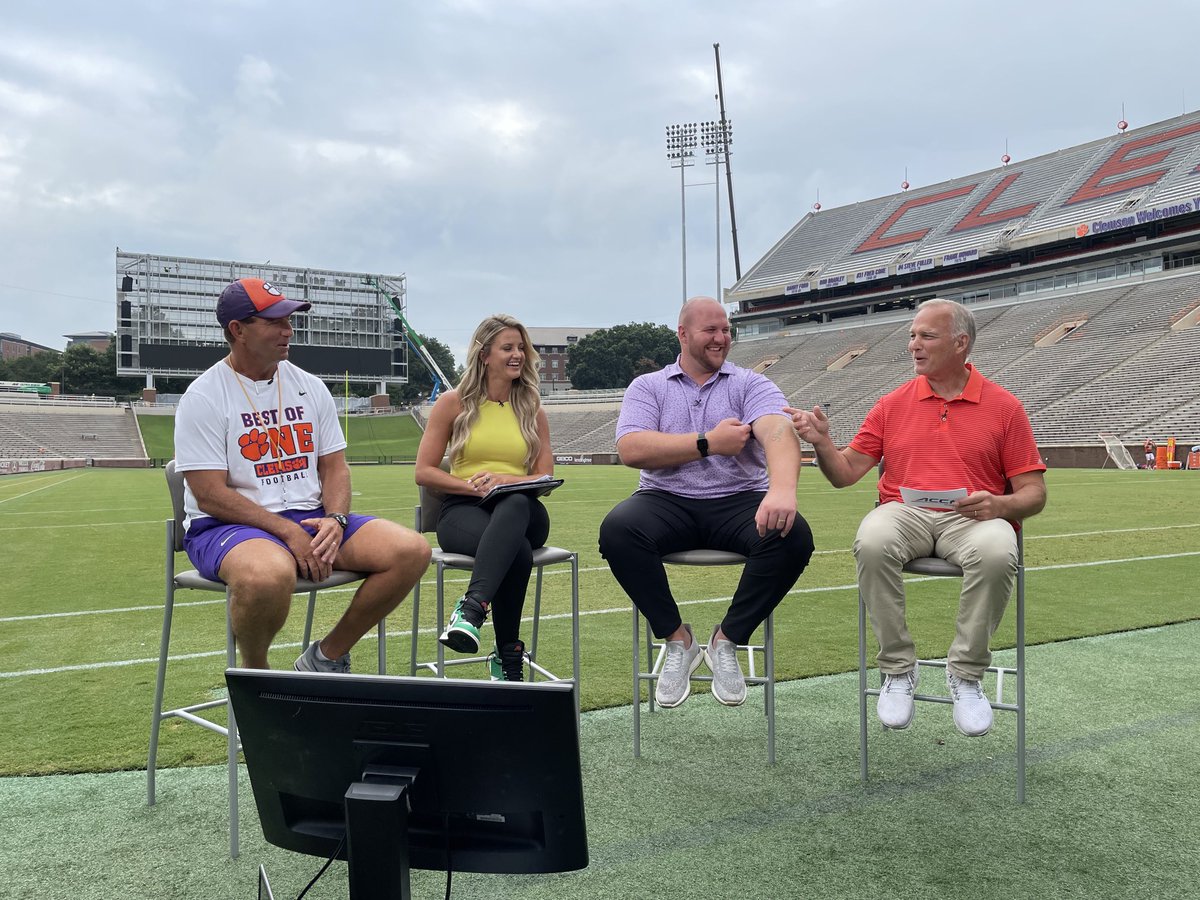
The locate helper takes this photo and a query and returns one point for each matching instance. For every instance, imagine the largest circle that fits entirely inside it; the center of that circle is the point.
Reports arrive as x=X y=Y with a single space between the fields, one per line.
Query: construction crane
x=413 y=339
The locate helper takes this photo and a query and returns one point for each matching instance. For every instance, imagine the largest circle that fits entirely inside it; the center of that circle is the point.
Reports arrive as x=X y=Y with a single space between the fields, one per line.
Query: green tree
x=613 y=357
x=85 y=370
x=37 y=368
x=420 y=382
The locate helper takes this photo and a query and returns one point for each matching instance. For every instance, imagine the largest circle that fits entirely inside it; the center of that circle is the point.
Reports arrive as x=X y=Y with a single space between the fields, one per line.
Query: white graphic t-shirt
x=266 y=434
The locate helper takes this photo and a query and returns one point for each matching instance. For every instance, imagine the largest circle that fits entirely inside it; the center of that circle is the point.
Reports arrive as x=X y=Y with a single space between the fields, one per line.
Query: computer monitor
x=452 y=775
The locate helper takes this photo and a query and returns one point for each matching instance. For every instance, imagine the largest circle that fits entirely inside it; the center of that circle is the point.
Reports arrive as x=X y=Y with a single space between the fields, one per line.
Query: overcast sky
x=509 y=155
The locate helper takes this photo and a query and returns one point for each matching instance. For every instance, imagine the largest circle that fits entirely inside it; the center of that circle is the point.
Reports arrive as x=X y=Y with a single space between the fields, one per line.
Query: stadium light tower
x=716 y=138
x=681 y=147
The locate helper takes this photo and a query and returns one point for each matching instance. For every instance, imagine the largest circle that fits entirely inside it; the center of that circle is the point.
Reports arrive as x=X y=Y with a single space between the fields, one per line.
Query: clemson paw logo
x=255 y=445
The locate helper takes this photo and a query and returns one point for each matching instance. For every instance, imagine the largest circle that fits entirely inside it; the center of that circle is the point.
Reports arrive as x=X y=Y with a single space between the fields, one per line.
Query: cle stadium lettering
x=1134 y=164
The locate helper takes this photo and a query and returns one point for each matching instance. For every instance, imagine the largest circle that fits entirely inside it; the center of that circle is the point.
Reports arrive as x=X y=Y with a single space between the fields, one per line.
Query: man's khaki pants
x=891 y=535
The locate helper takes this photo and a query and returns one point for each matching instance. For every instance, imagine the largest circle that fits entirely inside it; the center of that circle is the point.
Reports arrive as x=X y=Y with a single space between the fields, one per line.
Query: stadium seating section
x=45 y=430
x=1123 y=369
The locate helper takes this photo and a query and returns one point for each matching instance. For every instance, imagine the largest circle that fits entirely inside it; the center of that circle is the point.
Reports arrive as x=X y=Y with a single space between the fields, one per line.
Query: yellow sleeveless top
x=494 y=444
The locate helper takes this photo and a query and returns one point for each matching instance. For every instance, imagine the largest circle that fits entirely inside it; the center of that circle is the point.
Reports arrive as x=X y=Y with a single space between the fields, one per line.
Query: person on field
x=949 y=431
x=496 y=433
x=267 y=488
x=719 y=462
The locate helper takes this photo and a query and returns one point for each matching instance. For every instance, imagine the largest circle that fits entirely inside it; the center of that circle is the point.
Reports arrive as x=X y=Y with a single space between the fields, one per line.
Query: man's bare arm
x=778 y=440
x=841 y=467
x=659 y=450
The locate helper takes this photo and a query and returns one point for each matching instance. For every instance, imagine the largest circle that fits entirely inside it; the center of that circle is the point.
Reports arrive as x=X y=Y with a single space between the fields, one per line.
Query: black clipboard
x=539 y=488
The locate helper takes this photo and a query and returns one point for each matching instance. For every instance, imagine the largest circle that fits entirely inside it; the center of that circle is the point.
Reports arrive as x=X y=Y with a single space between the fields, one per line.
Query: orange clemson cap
x=248 y=297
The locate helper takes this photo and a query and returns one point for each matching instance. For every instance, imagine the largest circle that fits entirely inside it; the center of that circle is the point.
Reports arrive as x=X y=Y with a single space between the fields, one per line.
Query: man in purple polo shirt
x=719 y=461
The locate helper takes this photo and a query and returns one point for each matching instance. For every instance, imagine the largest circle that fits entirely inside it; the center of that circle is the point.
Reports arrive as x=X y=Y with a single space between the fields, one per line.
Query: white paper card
x=932 y=499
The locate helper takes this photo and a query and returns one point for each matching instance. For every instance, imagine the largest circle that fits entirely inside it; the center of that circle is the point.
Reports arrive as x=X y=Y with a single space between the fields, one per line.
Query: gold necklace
x=246 y=394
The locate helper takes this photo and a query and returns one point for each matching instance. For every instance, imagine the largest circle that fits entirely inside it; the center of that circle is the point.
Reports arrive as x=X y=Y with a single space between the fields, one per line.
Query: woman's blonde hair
x=525 y=398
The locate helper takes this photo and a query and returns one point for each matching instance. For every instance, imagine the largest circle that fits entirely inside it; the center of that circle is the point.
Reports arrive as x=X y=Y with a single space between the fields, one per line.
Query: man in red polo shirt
x=962 y=470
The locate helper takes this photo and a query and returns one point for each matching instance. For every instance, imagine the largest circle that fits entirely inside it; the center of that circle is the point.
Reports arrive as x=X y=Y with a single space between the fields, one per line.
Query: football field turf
x=81 y=608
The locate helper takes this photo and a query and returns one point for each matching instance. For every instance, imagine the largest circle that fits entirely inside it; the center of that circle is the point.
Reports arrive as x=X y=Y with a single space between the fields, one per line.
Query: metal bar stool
x=656 y=652
x=427 y=513
x=193 y=581
x=937 y=567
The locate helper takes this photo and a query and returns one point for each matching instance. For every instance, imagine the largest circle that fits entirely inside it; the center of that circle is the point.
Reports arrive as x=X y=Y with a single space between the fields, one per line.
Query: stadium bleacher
x=47 y=430
x=1122 y=369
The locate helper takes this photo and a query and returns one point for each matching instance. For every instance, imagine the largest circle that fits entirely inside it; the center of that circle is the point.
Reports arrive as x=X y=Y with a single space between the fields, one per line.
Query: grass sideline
x=79 y=623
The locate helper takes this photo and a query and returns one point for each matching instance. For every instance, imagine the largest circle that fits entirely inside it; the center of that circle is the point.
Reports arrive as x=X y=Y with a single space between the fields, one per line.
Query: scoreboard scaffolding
x=167 y=324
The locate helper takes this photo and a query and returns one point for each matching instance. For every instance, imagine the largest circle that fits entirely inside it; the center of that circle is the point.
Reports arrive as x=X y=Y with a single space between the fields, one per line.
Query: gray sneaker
x=674 y=681
x=972 y=711
x=895 y=706
x=728 y=684
x=308 y=661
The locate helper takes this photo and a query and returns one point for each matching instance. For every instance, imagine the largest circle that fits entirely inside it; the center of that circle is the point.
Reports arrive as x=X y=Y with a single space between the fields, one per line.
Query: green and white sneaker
x=507 y=663
x=462 y=634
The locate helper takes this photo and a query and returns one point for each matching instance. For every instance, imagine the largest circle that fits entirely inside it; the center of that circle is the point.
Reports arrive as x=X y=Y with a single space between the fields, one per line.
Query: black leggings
x=502 y=536
x=640 y=530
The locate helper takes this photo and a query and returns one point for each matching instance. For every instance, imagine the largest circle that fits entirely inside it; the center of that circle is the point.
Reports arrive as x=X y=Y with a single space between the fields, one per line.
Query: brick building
x=13 y=346
x=554 y=346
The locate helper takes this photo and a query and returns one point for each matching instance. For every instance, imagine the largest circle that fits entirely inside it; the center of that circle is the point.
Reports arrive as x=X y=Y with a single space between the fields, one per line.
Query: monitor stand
x=377 y=840
x=376 y=836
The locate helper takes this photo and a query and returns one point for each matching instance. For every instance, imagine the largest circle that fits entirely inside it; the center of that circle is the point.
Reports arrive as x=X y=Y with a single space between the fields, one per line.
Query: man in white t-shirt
x=267 y=496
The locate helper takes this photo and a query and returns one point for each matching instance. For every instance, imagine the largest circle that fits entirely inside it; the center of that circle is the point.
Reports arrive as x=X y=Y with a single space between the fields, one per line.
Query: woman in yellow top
x=494 y=431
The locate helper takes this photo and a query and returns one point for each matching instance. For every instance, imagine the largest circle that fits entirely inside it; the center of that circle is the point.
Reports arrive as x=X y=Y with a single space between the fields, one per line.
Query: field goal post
x=1117 y=452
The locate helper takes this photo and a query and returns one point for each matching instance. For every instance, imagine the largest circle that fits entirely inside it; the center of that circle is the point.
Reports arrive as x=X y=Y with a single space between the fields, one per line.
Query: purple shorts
x=208 y=540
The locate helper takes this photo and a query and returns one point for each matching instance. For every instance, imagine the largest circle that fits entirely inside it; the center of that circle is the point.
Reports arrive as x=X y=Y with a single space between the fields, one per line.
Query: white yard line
x=42 y=488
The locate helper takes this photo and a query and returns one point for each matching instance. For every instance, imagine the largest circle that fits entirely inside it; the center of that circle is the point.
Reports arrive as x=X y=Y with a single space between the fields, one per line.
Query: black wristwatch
x=702 y=444
x=339 y=518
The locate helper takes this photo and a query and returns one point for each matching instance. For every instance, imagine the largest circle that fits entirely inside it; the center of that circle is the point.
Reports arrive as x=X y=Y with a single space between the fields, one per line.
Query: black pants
x=640 y=530
x=502 y=536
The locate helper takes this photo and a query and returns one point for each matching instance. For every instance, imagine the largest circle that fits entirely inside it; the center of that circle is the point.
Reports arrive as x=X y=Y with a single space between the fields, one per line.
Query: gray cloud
x=509 y=155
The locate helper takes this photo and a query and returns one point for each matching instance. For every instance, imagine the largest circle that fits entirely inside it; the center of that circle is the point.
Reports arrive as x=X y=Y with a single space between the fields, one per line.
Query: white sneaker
x=896 y=707
x=972 y=712
x=728 y=684
x=308 y=661
x=674 y=681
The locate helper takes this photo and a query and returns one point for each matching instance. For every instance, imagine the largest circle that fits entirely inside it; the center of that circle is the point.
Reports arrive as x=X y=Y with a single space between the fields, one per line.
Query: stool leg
x=441 y=603
x=161 y=678
x=308 y=620
x=769 y=694
x=232 y=738
x=637 y=686
x=416 y=626
x=575 y=632
x=383 y=646
x=650 y=702
x=537 y=618
x=862 y=688
x=1020 y=672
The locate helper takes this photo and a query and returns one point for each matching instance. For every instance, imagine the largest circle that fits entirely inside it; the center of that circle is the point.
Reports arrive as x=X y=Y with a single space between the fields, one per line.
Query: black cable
x=328 y=863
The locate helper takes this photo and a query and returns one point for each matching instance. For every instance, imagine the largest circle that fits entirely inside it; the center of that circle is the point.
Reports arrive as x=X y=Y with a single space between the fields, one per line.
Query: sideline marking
x=42 y=488
x=80 y=667
x=586 y=569
x=153 y=607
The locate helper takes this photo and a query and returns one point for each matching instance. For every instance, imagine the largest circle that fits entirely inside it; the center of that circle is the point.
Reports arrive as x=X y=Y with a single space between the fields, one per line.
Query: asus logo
x=393 y=729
